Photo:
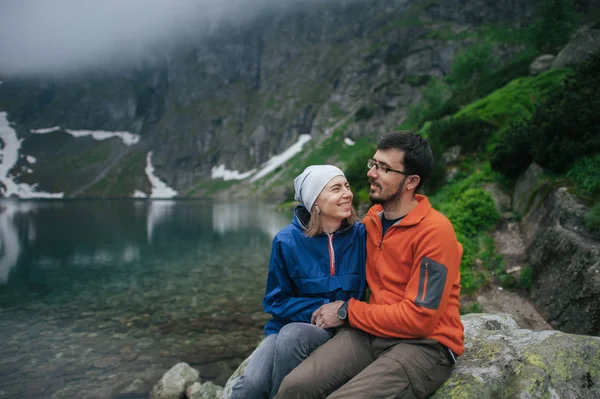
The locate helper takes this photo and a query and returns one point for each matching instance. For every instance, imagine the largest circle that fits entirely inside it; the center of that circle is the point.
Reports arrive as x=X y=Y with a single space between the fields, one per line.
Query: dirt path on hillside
x=496 y=299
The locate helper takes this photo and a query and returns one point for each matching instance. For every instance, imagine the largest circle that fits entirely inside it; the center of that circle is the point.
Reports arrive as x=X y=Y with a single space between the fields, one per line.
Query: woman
x=317 y=259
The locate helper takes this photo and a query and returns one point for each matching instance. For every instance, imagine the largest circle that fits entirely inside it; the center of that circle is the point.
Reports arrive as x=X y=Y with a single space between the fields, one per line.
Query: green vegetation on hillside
x=556 y=22
x=484 y=105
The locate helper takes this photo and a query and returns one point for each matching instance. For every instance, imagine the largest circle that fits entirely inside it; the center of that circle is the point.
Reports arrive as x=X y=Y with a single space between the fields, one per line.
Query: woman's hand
x=326 y=315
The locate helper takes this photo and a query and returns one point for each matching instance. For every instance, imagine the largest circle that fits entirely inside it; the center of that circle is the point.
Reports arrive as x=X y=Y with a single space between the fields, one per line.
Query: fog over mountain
x=61 y=36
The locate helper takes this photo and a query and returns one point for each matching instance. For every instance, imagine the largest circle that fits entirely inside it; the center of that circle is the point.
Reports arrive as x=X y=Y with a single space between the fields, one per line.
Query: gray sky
x=48 y=36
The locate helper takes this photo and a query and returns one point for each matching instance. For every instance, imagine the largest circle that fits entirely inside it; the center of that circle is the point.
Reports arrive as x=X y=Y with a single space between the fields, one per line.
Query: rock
x=565 y=260
x=525 y=188
x=578 y=49
x=226 y=393
x=193 y=389
x=541 y=64
x=501 y=198
x=173 y=384
x=503 y=361
x=452 y=154
x=208 y=390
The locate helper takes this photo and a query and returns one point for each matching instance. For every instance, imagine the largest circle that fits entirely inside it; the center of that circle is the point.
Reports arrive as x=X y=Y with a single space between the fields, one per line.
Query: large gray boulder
x=565 y=260
x=562 y=253
x=583 y=45
x=525 y=188
x=502 y=360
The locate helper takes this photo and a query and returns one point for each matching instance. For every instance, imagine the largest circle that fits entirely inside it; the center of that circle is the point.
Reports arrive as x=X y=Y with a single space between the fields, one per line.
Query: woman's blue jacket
x=307 y=272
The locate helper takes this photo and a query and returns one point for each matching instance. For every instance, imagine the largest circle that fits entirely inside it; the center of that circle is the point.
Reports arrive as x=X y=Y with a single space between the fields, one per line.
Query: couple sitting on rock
x=324 y=340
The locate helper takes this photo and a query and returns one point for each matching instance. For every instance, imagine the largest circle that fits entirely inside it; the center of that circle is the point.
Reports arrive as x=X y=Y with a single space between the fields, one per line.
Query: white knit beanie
x=310 y=183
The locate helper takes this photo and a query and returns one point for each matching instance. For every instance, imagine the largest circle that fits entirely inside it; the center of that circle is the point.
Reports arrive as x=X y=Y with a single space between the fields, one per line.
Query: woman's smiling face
x=335 y=200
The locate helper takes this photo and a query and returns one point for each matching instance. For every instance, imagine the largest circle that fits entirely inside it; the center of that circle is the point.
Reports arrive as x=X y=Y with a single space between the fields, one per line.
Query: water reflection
x=229 y=217
x=54 y=234
x=157 y=212
x=91 y=287
x=9 y=243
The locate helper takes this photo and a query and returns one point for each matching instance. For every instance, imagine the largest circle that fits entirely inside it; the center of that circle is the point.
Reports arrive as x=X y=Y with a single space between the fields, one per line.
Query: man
x=403 y=343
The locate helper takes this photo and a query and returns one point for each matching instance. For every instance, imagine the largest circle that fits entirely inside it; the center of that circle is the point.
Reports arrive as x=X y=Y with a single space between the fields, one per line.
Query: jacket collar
x=413 y=217
x=302 y=218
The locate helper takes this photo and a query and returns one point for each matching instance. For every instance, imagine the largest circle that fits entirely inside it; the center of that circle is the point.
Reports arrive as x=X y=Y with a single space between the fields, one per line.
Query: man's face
x=386 y=187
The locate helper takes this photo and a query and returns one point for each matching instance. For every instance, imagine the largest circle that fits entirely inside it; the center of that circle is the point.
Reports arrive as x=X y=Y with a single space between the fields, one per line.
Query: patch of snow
x=159 y=188
x=31 y=159
x=9 y=155
x=46 y=130
x=220 y=171
x=280 y=159
x=348 y=141
x=139 y=194
x=128 y=138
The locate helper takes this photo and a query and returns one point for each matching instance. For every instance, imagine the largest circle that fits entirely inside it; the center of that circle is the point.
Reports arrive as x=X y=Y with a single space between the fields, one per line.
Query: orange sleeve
x=434 y=272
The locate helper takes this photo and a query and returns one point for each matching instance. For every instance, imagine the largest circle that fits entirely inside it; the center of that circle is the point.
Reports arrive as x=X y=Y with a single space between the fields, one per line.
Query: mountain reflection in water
x=104 y=296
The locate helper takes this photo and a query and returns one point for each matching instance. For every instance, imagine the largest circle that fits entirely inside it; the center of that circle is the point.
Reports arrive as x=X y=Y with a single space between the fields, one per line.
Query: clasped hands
x=326 y=315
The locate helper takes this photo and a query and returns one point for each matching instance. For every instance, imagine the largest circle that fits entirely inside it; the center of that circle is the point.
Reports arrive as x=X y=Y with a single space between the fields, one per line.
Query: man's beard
x=394 y=197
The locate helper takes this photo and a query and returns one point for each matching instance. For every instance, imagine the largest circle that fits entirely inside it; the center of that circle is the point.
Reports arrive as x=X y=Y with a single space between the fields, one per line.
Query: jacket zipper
x=425 y=282
x=331 y=256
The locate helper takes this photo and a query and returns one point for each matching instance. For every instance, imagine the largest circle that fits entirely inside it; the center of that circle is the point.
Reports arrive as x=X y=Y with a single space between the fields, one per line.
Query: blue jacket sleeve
x=281 y=300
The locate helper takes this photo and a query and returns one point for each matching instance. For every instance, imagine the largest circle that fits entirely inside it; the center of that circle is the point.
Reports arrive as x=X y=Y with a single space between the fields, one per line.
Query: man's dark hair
x=418 y=157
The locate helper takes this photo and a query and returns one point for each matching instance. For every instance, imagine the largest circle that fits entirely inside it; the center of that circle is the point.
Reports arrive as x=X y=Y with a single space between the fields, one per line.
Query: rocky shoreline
x=500 y=360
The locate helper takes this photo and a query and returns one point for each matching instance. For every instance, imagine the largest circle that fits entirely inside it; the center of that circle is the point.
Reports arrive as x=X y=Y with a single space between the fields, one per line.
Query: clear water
x=99 y=298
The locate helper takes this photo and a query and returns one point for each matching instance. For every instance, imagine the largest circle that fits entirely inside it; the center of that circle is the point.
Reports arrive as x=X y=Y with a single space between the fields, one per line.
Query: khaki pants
x=355 y=364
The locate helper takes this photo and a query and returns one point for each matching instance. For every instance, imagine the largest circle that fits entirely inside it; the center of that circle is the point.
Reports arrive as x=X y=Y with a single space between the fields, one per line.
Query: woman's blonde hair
x=315 y=226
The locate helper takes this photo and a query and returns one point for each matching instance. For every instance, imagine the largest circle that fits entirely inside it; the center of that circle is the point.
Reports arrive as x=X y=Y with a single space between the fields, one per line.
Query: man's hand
x=326 y=316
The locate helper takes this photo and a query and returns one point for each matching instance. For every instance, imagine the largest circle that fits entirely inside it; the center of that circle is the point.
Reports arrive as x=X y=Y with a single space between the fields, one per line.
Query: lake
x=98 y=298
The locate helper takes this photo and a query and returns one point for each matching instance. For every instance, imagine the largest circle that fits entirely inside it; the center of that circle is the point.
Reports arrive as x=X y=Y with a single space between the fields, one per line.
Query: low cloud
x=61 y=36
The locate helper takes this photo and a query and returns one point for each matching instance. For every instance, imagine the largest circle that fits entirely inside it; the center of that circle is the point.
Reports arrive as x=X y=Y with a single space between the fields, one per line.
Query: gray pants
x=276 y=357
x=355 y=364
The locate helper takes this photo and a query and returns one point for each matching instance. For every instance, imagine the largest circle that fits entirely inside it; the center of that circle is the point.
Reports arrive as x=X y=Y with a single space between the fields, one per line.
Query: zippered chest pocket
x=432 y=279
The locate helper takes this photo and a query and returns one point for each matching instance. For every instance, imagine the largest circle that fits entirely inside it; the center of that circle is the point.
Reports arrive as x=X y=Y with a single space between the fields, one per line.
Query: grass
x=473 y=213
x=514 y=101
x=336 y=111
x=122 y=179
x=210 y=186
x=585 y=175
x=592 y=219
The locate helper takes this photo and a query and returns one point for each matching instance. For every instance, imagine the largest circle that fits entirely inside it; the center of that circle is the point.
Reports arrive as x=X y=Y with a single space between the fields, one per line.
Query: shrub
x=513 y=153
x=474 y=307
x=365 y=112
x=592 y=219
x=473 y=210
x=433 y=104
x=471 y=65
x=554 y=26
x=438 y=175
x=526 y=277
x=585 y=174
x=566 y=125
x=469 y=133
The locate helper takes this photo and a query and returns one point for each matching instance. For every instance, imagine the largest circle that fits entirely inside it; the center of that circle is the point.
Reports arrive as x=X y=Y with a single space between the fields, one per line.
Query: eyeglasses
x=371 y=162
